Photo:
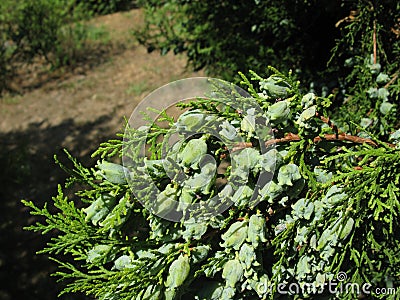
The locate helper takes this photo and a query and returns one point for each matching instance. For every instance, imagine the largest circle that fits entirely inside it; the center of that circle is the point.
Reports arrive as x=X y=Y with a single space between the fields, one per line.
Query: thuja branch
x=328 y=137
x=291 y=137
x=374 y=41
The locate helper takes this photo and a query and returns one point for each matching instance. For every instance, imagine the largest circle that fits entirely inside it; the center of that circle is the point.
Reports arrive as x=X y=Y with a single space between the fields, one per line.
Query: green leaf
x=243 y=161
x=383 y=94
x=232 y=272
x=288 y=174
x=202 y=181
x=166 y=201
x=112 y=172
x=191 y=120
x=256 y=230
x=247 y=255
x=118 y=216
x=199 y=253
x=375 y=68
x=123 y=262
x=303 y=209
x=306 y=115
x=100 y=208
x=178 y=272
x=303 y=267
x=382 y=78
x=98 y=254
x=322 y=176
x=193 y=152
x=333 y=196
x=248 y=123
x=327 y=236
x=279 y=112
x=152 y=292
x=346 y=229
x=386 y=107
x=235 y=236
x=395 y=136
x=271 y=191
x=194 y=230
x=228 y=131
x=275 y=87
x=271 y=160
x=242 y=196
x=307 y=100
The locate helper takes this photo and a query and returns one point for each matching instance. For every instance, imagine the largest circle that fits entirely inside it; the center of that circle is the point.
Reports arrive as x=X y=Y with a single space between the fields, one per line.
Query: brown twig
x=291 y=137
x=374 y=41
x=337 y=136
x=345 y=137
x=392 y=80
x=241 y=145
x=350 y=18
x=328 y=121
x=327 y=137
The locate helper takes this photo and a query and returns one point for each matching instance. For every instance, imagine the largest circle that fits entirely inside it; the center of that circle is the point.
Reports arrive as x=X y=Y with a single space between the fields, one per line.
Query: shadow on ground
x=28 y=171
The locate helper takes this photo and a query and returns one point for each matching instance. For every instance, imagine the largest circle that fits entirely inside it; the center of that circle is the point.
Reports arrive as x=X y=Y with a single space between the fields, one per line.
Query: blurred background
x=68 y=76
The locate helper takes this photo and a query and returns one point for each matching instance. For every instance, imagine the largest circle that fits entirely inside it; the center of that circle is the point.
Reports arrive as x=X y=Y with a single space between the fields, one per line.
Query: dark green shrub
x=4 y=67
x=7 y=48
x=302 y=36
x=227 y=36
x=53 y=30
x=105 y=7
x=369 y=59
x=37 y=27
x=77 y=42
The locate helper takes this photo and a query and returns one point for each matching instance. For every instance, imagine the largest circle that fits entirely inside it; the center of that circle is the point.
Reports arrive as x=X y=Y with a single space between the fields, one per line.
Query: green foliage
x=358 y=39
x=104 y=7
x=5 y=70
x=368 y=54
x=228 y=36
x=38 y=24
x=53 y=30
x=7 y=49
x=331 y=205
x=312 y=199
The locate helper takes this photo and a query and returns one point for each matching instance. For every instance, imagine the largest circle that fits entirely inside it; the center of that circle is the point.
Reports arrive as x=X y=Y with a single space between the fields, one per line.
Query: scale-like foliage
x=330 y=206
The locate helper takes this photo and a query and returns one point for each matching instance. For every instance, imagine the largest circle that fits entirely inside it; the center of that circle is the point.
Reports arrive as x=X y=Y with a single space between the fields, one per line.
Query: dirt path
x=109 y=90
x=77 y=111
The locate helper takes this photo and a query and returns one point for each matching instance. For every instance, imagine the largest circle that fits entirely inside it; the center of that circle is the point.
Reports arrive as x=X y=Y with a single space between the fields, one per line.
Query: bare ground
x=74 y=109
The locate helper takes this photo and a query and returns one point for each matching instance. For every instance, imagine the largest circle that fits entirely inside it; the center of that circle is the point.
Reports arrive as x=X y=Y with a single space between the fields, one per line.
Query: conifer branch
x=291 y=137
x=395 y=76
x=374 y=42
x=329 y=137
